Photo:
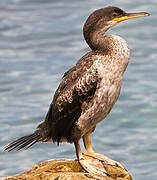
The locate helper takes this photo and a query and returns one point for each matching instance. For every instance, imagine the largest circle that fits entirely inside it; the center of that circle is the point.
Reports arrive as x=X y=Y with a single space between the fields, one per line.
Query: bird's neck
x=109 y=43
x=96 y=40
x=95 y=37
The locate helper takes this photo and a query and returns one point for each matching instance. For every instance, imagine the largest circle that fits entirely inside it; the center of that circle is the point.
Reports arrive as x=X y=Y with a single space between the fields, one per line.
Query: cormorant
x=89 y=90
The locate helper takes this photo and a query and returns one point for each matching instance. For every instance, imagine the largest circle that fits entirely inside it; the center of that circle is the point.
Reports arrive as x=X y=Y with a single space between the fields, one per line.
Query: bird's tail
x=24 y=142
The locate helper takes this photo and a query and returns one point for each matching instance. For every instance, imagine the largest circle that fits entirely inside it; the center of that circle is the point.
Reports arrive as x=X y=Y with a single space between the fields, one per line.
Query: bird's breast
x=117 y=49
x=110 y=71
x=110 y=67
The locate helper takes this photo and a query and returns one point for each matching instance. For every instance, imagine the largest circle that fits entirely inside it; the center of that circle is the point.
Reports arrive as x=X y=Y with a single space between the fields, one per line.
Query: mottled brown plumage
x=89 y=90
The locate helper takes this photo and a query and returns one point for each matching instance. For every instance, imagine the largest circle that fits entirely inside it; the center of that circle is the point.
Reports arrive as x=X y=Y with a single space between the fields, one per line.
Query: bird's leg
x=90 y=151
x=91 y=162
x=78 y=150
x=87 y=143
x=88 y=146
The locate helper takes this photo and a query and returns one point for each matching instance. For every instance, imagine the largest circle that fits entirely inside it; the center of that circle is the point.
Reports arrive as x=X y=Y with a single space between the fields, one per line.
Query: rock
x=68 y=170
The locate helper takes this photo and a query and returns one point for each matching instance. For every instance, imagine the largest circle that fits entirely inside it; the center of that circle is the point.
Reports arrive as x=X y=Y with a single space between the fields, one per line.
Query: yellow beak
x=130 y=16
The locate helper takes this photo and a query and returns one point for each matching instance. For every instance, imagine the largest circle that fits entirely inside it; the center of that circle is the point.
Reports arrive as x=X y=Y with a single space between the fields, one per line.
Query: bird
x=88 y=90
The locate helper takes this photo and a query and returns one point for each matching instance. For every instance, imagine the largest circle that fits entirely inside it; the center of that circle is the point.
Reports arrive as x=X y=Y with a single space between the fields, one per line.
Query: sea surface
x=39 y=41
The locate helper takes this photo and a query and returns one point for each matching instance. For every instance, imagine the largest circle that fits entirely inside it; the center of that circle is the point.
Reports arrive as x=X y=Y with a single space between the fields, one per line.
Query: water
x=39 y=41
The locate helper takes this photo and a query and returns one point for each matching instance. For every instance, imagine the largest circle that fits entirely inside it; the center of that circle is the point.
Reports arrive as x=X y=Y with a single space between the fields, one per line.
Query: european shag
x=89 y=90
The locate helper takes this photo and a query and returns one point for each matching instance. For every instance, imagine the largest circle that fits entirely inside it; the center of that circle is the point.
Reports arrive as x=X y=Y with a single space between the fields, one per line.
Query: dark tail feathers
x=24 y=142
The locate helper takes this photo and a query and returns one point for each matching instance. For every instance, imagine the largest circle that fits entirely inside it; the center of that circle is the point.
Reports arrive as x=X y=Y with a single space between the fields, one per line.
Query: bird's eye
x=114 y=14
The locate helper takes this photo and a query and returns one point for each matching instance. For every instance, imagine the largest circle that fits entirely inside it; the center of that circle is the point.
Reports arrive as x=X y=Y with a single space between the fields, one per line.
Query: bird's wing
x=78 y=85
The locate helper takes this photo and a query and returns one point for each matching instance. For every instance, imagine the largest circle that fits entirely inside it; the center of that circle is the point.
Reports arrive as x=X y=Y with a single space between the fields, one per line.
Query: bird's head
x=102 y=19
x=109 y=16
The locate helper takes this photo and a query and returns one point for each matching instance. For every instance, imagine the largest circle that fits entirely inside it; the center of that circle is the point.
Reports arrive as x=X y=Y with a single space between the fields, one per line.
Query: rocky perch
x=69 y=170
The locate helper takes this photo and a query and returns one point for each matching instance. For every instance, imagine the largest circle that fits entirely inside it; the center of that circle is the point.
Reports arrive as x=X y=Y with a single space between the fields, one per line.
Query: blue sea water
x=39 y=41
